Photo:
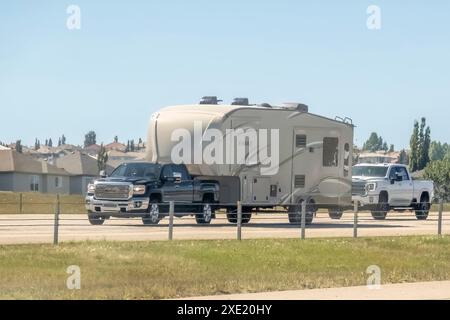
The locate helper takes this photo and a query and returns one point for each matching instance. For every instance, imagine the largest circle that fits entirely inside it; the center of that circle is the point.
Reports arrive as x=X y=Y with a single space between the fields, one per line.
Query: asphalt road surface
x=25 y=228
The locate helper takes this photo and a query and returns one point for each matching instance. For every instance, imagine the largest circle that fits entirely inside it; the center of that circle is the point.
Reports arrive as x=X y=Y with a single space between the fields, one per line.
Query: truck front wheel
x=153 y=217
x=382 y=208
x=423 y=208
x=95 y=220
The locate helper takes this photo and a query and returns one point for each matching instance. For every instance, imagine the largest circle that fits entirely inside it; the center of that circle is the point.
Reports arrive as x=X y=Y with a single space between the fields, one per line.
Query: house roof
x=78 y=163
x=116 y=146
x=4 y=148
x=12 y=161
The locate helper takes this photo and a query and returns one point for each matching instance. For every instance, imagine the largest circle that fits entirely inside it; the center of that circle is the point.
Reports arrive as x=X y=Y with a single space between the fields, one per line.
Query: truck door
x=401 y=188
x=177 y=185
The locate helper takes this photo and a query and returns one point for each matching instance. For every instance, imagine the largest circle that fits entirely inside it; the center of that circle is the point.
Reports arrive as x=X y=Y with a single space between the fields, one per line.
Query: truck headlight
x=371 y=186
x=139 y=189
x=91 y=188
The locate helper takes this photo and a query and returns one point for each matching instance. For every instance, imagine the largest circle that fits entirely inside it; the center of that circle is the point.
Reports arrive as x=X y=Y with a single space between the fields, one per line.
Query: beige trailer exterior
x=315 y=153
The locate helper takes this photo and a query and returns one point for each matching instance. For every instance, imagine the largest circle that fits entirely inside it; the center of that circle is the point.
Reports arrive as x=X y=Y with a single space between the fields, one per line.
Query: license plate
x=109 y=205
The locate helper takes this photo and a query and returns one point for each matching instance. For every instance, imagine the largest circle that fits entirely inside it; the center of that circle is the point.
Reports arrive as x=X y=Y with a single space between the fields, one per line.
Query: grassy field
x=148 y=270
x=39 y=203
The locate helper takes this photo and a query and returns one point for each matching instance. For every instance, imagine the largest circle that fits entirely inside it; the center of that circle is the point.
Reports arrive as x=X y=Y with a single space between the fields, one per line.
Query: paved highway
x=25 y=228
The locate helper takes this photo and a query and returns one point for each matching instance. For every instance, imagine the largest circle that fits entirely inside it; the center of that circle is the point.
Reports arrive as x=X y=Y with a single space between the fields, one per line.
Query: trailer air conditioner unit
x=210 y=100
x=296 y=106
x=240 y=102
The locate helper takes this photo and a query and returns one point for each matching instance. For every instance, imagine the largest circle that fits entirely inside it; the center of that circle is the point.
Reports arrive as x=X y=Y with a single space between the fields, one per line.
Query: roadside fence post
x=355 y=219
x=20 y=203
x=303 y=219
x=239 y=220
x=56 y=223
x=171 y=214
x=441 y=209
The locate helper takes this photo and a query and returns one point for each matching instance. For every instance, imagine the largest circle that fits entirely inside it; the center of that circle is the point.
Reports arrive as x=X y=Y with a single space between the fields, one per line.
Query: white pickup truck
x=384 y=187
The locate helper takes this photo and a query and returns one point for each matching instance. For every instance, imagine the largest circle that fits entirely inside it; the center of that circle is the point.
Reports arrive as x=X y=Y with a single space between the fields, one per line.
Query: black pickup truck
x=144 y=189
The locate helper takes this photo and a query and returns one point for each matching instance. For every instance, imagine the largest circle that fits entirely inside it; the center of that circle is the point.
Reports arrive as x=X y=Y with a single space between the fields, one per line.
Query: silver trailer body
x=314 y=152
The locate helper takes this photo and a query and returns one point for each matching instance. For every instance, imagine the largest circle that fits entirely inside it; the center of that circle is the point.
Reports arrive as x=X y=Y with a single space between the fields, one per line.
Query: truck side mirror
x=103 y=174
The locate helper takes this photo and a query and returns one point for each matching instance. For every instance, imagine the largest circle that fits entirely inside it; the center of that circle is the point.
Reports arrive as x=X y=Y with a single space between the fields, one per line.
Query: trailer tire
x=335 y=213
x=295 y=212
x=246 y=215
x=423 y=208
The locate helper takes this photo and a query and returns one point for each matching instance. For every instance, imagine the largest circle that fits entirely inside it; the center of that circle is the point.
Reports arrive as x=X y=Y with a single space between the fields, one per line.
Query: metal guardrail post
x=303 y=219
x=56 y=223
x=20 y=203
x=441 y=209
x=171 y=214
x=239 y=220
x=355 y=219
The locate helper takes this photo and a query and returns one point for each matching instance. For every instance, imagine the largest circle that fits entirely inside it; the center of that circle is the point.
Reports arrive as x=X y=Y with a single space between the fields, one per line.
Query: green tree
x=116 y=139
x=102 y=158
x=391 y=148
x=439 y=172
x=19 y=148
x=414 y=146
x=437 y=151
x=90 y=138
x=50 y=142
x=425 y=150
x=403 y=158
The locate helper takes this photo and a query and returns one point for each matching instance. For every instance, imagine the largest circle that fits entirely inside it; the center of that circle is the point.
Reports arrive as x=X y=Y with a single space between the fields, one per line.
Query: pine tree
x=50 y=142
x=132 y=145
x=425 y=152
x=19 y=146
x=391 y=148
x=414 y=146
x=102 y=158
x=116 y=139
x=63 y=140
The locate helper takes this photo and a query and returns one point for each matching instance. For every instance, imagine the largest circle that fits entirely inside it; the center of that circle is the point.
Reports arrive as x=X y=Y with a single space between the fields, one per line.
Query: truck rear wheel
x=295 y=212
x=423 y=208
x=96 y=220
x=153 y=217
x=335 y=213
x=206 y=214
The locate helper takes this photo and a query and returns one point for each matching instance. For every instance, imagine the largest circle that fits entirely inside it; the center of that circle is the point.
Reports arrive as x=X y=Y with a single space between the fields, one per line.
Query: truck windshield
x=369 y=171
x=140 y=170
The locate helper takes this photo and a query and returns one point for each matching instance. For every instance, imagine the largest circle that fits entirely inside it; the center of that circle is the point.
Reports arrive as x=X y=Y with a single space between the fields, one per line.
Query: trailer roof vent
x=240 y=102
x=296 y=106
x=265 y=105
x=210 y=100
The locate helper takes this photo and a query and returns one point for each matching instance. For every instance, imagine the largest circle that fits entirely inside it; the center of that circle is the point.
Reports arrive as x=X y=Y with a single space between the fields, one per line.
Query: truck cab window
x=330 y=152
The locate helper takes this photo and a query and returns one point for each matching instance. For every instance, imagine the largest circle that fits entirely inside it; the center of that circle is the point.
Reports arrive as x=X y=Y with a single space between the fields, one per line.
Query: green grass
x=147 y=270
x=39 y=203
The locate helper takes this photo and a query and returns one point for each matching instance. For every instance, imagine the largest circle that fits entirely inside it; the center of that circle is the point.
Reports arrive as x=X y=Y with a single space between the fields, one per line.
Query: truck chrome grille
x=112 y=191
x=359 y=188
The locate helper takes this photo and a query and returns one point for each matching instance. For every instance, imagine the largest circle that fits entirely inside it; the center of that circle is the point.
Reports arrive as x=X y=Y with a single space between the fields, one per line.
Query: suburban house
x=92 y=150
x=116 y=146
x=115 y=157
x=22 y=173
x=83 y=169
x=379 y=157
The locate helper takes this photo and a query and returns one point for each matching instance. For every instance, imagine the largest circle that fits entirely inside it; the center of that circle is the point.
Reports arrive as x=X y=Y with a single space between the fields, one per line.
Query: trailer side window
x=330 y=152
x=300 y=140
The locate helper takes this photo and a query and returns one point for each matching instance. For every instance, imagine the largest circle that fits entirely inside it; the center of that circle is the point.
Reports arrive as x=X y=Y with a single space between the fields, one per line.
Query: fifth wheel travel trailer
x=264 y=156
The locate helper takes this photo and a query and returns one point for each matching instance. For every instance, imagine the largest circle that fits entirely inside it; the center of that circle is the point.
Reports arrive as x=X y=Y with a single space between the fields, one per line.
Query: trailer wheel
x=246 y=215
x=295 y=212
x=335 y=213
x=96 y=220
x=153 y=217
x=423 y=208
x=382 y=208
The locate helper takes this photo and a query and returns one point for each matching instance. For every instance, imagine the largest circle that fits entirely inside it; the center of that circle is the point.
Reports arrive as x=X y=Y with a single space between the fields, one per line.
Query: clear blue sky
x=131 y=58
